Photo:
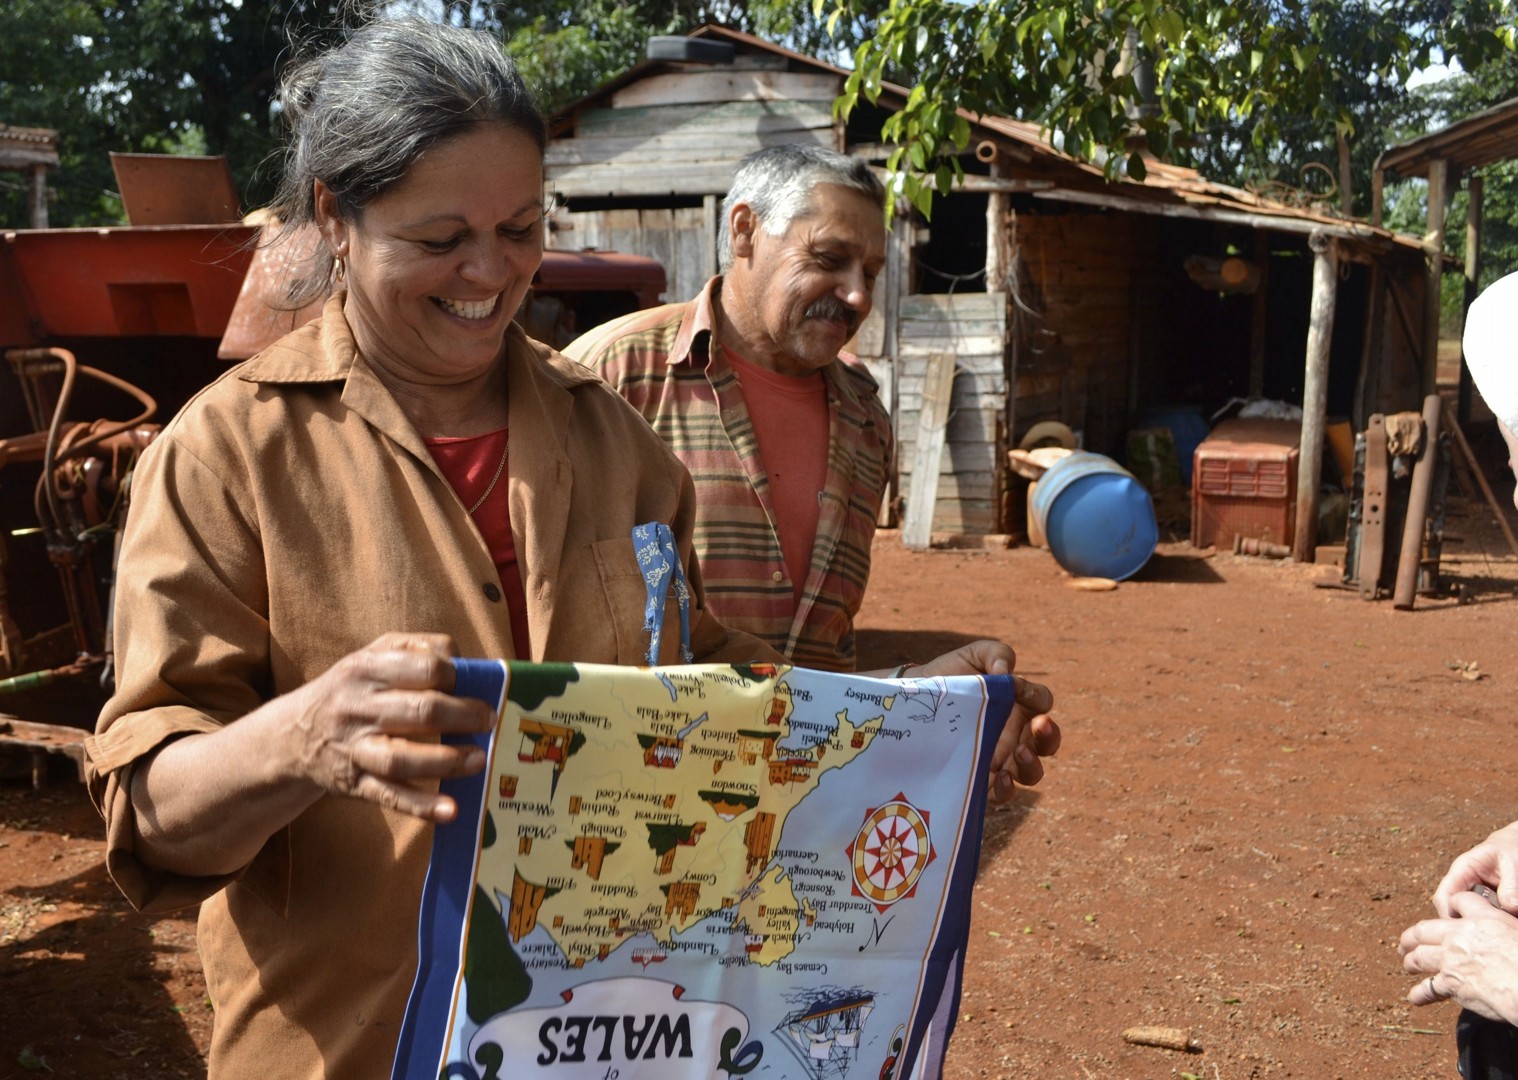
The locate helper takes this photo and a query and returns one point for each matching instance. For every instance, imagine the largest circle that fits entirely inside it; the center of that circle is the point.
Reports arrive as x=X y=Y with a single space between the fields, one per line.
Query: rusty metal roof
x=1168 y=190
x=1489 y=136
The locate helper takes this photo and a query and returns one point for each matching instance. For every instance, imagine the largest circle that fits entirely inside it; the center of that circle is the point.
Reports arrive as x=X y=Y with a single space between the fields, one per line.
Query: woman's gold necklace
x=500 y=467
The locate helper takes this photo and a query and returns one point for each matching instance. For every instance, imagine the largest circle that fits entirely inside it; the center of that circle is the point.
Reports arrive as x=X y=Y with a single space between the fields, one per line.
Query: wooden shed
x=31 y=151
x=1041 y=289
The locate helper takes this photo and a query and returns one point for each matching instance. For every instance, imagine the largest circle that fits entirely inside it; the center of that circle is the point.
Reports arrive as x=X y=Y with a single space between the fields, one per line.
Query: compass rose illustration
x=890 y=852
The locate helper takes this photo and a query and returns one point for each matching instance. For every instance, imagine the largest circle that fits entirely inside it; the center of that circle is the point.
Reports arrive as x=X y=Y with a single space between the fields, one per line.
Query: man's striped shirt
x=664 y=363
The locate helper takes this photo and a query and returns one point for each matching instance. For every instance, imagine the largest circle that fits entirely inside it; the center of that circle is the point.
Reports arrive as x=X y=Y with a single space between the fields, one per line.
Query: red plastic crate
x=1244 y=483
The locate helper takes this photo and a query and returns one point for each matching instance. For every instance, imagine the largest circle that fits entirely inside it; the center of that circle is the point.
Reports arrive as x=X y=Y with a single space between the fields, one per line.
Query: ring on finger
x=1431 y=991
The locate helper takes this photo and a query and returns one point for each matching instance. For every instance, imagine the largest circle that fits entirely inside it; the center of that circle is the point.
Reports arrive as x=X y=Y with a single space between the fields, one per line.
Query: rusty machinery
x=79 y=502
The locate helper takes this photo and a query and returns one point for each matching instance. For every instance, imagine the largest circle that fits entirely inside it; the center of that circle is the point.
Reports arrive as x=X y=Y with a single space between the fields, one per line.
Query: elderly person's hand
x=368 y=728
x=1492 y=862
x=1030 y=735
x=1470 y=957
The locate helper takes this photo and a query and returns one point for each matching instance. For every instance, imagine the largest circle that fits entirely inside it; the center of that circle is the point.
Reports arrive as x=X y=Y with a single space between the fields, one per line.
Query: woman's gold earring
x=339 y=269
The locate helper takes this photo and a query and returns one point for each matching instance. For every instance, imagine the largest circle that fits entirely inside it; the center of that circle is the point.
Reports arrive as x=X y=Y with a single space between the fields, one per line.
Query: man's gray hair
x=777 y=183
x=360 y=115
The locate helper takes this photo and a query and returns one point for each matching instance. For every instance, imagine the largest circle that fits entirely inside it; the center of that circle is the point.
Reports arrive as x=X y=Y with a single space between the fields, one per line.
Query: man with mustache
x=782 y=431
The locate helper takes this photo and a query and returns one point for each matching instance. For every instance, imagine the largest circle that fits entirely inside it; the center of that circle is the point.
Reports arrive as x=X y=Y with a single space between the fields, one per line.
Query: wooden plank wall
x=677 y=136
x=971 y=326
x=1072 y=358
x=678 y=239
x=681 y=133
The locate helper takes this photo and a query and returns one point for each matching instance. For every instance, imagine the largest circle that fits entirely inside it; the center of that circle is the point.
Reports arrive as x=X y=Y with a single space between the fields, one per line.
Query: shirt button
x=492 y=592
x=777 y=576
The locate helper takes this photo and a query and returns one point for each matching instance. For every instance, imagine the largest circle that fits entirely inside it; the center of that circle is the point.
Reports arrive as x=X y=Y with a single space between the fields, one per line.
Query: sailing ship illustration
x=824 y=1032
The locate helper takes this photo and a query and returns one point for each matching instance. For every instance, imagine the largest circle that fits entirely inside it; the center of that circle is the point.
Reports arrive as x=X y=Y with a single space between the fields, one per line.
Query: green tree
x=567 y=51
x=1112 y=80
x=156 y=76
x=200 y=76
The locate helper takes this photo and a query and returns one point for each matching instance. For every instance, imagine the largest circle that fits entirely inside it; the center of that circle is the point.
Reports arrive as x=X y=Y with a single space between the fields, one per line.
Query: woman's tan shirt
x=288 y=516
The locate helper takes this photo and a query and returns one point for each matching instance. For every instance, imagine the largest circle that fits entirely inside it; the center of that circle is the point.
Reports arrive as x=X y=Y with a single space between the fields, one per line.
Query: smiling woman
x=437 y=266
x=405 y=479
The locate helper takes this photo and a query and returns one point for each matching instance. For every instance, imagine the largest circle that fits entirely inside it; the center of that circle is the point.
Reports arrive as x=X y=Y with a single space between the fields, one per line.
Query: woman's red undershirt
x=469 y=464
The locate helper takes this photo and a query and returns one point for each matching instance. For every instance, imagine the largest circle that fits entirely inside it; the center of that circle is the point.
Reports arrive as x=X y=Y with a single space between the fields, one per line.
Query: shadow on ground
x=1177 y=569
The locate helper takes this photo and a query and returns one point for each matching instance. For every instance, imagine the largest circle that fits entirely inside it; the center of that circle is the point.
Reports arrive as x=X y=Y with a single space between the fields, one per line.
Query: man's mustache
x=830 y=307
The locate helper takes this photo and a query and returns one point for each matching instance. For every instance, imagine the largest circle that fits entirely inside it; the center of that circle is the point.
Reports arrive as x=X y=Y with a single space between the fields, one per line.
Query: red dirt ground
x=1261 y=783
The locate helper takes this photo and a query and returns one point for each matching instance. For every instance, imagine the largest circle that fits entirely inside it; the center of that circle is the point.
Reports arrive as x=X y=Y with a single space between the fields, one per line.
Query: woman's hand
x=1470 y=957
x=369 y=726
x=1030 y=735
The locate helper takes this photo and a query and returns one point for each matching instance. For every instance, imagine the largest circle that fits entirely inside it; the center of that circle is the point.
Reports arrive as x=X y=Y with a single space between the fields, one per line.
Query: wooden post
x=897 y=281
x=37 y=196
x=1320 y=332
x=1346 y=178
x=927 y=455
x=711 y=224
x=1473 y=223
x=998 y=264
x=998 y=246
x=1258 y=324
x=1367 y=385
x=1433 y=256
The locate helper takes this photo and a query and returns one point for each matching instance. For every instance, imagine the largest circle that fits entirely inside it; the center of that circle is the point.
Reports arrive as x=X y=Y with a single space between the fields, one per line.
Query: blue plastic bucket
x=1097 y=519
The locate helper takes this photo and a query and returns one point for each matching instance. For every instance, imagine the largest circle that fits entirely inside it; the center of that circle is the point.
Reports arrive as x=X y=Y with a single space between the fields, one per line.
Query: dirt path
x=1261 y=783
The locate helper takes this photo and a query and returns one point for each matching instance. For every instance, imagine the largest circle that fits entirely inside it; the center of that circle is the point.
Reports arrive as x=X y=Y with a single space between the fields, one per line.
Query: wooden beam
x=1258 y=322
x=677 y=145
x=37 y=196
x=1001 y=185
x=1475 y=190
x=1253 y=220
x=897 y=280
x=711 y=224
x=1368 y=385
x=1486 y=489
x=1320 y=332
x=1433 y=257
x=927 y=455
x=697 y=87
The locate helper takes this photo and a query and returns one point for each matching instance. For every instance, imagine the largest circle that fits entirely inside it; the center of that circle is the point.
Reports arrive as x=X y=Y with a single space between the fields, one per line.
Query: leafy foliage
x=156 y=76
x=200 y=76
x=566 y=51
x=1182 y=80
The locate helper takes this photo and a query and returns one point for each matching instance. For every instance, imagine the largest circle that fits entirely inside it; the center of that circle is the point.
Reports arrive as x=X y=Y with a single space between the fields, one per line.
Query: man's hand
x=1471 y=957
x=1493 y=862
x=1030 y=735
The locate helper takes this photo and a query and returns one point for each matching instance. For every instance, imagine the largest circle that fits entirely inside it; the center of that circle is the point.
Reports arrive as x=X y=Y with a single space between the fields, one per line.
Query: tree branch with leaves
x=1114 y=82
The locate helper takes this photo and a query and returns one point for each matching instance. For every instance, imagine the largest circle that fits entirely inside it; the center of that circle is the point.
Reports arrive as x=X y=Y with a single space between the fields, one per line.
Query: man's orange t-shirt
x=790 y=418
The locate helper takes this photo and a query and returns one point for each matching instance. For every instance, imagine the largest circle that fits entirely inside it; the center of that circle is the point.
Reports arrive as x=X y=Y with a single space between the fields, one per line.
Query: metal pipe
x=1411 y=555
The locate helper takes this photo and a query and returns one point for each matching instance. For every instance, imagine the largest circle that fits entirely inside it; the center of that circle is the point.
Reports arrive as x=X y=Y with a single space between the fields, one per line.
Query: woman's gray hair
x=777 y=182
x=360 y=115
